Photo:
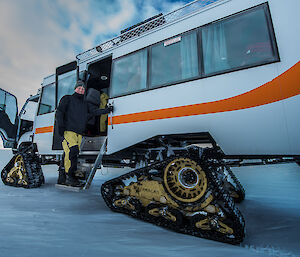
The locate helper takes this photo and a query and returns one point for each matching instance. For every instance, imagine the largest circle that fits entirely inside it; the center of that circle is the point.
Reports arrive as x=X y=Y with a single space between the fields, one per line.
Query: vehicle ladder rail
x=97 y=164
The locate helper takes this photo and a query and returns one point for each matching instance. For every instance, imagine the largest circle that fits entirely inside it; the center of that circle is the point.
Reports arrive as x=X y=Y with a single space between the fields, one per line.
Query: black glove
x=98 y=112
x=61 y=131
x=110 y=108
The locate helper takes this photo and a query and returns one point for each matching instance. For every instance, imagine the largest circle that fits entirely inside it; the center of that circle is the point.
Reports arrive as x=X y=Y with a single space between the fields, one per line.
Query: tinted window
x=174 y=60
x=129 y=73
x=2 y=100
x=66 y=84
x=47 y=103
x=239 y=41
x=11 y=107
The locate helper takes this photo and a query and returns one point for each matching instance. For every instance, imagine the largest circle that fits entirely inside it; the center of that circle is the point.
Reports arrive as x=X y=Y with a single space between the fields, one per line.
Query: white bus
x=222 y=73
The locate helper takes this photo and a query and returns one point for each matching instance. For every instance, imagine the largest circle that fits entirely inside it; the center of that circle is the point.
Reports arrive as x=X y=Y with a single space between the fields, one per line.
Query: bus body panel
x=43 y=137
x=269 y=129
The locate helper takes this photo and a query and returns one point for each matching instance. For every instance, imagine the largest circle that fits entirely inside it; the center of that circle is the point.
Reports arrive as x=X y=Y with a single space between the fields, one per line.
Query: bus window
x=242 y=40
x=47 y=103
x=129 y=74
x=174 y=60
x=66 y=84
x=11 y=107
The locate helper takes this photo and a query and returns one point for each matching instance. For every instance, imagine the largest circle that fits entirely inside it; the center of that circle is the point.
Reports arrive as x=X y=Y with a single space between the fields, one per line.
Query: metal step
x=68 y=188
x=91 y=143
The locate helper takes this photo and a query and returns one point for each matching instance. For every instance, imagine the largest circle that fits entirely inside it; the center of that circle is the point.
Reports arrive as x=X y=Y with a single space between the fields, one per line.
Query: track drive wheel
x=185 y=180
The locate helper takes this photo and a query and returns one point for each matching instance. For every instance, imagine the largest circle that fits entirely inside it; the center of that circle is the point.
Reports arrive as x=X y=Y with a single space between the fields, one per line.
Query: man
x=72 y=115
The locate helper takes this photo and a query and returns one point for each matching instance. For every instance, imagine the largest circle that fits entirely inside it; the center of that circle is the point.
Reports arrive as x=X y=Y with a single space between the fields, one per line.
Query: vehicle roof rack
x=147 y=25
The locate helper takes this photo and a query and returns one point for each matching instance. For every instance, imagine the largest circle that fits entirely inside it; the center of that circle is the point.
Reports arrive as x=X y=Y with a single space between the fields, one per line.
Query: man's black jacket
x=73 y=113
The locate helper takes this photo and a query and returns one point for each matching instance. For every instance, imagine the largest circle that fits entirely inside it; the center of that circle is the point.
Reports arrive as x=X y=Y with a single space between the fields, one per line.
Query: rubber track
x=33 y=168
x=238 y=186
x=219 y=192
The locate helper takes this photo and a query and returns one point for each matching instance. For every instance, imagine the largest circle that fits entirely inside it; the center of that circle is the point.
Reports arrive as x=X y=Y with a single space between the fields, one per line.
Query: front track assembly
x=185 y=194
x=23 y=170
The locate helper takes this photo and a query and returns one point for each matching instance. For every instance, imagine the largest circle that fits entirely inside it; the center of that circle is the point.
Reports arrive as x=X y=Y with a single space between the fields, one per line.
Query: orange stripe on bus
x=282 y=87
x=44 y=130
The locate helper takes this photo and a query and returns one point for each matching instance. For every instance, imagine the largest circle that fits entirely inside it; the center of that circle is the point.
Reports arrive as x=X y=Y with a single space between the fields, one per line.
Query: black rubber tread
x=222 y=198
x=238 y=188
x=35 y=176
x=235 y=188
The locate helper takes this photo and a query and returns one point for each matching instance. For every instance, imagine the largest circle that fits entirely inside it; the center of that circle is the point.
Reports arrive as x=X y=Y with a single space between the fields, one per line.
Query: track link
x=146 y=193
x=23 y=170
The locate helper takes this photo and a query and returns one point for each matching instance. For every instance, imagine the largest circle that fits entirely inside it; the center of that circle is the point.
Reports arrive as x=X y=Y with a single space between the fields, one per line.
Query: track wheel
x=185 y=180
x=212 y=223
x=171 y=215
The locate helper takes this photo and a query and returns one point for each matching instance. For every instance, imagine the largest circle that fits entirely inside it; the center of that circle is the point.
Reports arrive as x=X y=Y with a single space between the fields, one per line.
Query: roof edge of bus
x=123 y=38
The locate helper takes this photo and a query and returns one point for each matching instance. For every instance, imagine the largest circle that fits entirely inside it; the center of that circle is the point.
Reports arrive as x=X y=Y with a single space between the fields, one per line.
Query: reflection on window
x=129 y=73
x=174 y=60
x=11 y=107
x=240 y=41
x=47 y=103
x=2 y=100
x=66 y=84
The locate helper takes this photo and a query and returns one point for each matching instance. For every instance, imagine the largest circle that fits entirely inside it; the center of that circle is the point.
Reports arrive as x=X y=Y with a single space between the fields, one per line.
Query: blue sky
x=37 y=36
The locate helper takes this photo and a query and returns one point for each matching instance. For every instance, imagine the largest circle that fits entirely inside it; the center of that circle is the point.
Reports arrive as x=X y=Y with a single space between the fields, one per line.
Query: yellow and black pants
x=71 y=146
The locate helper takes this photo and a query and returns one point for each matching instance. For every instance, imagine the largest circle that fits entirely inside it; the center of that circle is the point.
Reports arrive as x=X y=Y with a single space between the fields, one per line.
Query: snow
x=51 y=222
x=1 y=143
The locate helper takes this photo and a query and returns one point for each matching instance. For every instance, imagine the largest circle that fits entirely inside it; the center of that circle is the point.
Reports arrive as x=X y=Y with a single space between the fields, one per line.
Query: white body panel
x=44 y=140
x=267 y=129
x=270 y=129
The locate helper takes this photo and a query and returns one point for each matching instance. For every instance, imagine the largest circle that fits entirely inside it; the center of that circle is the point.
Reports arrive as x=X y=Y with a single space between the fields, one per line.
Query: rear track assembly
x=182 y=193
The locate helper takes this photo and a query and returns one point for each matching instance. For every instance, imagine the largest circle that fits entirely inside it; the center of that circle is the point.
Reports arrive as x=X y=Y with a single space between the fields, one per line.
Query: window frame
x=41 y=97
x=76 y=74
x=112 y=71
x=201 y=74
x=271 y=33
x=180 y=80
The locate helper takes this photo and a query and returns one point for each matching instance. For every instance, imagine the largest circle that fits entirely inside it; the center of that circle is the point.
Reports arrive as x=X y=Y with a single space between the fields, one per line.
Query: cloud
x=37 y=36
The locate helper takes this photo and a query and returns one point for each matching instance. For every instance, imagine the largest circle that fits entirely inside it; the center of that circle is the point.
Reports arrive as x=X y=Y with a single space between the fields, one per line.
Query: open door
x=99 y=81
x=8 y=118
x=66 y=77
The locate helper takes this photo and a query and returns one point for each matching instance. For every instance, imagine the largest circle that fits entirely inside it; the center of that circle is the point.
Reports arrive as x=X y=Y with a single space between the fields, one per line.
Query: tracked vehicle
x=206 y=87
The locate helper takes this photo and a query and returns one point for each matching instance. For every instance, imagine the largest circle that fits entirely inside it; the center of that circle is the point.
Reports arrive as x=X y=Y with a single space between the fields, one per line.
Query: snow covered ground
x=50 y=222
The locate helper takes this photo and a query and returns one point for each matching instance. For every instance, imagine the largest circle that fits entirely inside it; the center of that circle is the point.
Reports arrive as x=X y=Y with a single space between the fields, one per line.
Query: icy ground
x=50 y=222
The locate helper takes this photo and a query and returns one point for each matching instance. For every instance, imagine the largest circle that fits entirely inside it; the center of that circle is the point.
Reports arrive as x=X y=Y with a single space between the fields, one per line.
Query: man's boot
x=61 y=177
x=61 y=172
x=73 y=181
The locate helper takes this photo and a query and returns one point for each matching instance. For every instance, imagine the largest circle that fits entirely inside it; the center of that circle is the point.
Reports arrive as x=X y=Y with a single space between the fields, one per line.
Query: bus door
x=97 y=86
x=8 y=118
x=66 y=77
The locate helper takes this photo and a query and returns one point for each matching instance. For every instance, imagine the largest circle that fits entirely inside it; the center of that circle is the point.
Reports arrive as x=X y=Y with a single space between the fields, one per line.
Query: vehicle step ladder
x=97 y=164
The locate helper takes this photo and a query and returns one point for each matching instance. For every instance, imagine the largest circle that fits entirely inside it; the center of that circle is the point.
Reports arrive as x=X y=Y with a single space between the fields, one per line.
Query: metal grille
x=188 y=9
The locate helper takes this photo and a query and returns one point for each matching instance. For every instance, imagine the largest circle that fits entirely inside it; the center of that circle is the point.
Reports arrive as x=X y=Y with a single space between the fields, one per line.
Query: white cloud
x=37 y=36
